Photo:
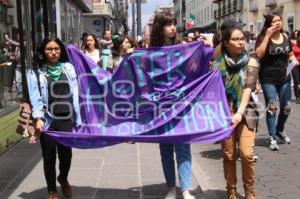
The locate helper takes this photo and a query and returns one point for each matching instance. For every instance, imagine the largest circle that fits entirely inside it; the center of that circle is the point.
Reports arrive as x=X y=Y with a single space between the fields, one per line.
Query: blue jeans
x=272 y=93
x=183 y=158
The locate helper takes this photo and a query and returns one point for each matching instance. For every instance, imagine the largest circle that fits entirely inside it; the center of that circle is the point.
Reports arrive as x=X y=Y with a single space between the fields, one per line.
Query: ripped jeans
x=272 y=93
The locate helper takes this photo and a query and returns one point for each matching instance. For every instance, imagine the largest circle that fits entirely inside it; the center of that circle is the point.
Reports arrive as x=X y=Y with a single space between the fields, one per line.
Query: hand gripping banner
x=161 y=95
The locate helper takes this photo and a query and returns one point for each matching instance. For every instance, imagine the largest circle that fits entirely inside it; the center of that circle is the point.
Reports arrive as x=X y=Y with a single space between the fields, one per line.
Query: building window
x=291 y=23
x=258 y=26
x=251 y=29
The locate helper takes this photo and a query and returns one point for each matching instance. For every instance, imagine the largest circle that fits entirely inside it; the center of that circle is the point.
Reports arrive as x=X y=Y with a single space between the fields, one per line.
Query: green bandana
x=54 y=71
x=233 y=74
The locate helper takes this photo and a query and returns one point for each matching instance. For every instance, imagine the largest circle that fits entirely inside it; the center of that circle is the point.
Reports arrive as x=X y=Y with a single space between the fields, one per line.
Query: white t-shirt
x=95 y=55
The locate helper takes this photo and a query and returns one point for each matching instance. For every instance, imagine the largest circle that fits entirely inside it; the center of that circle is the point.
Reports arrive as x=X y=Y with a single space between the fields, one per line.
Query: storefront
x=60 y=17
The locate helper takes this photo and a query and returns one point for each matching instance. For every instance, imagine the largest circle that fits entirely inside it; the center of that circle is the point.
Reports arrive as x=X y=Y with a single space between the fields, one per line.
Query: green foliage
x=8 y=135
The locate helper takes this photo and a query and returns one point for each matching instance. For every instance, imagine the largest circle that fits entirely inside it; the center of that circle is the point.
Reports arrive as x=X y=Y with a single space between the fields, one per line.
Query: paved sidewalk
x=133 y=171
x=125 y=171
x=277 y=172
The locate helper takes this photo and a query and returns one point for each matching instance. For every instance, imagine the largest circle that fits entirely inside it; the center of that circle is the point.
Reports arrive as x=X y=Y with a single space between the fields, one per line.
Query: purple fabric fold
x=157 y=95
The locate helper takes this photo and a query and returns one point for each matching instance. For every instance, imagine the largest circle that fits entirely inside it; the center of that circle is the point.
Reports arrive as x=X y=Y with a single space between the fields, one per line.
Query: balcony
x=229 y=7
x=253 y=6
x=271 y=3
x=219 y=12
x=223 y=10
x=216 y=16
x=9 y=19
x=237 y=6
x=1 y=16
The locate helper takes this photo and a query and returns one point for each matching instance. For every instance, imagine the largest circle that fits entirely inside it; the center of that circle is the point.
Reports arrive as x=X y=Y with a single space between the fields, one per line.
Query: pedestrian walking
x=122 y=44
x=18 y=72
x=239 y=73
x=294 y=36
x=274 y=52
x=54 y=98
x=296 y=69
x=164 y=33
x=106 y=45
x=91 y=48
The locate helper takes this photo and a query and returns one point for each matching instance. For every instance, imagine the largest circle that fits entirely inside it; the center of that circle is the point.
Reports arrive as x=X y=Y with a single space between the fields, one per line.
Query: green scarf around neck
x=233 y=74
x=54 y=71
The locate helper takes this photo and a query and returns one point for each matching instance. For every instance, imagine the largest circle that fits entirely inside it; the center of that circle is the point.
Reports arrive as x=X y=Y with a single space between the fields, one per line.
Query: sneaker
x=171 y=194
x=283 y=137
x=273 y=144
x=255 y=158
x=188 y=196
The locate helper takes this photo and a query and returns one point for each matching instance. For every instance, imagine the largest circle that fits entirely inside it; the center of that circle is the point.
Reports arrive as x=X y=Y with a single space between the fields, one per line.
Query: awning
x=7 y=3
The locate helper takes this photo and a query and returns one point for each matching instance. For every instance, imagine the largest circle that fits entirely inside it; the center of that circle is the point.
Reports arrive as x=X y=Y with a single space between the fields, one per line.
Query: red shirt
x=296 y=50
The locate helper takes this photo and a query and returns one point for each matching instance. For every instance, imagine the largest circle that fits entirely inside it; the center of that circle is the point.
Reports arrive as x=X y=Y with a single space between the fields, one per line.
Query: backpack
x=26 y=124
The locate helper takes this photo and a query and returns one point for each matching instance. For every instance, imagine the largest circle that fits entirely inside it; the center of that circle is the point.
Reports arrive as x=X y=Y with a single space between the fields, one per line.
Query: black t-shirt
x=274 y=64
x=60 y=97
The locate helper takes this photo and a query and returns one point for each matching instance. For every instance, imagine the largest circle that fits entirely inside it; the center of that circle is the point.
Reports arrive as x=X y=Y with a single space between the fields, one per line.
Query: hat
x=230 y=23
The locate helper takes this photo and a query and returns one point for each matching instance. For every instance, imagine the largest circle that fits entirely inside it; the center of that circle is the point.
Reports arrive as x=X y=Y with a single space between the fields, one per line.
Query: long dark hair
x=268 y=22
x=226 y=36
x=97 y=45
x=160 y=20
x=117 y=43
x=42 y=59
x=293 y=34
x=297 y=40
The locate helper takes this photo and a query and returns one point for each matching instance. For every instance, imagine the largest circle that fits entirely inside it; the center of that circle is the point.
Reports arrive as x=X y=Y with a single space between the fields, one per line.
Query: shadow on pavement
x=16 y=164
x=219 y=194
x=86 y=193
x=160 y=190
x=212 y=154
x=155 y=191
x=262 y=142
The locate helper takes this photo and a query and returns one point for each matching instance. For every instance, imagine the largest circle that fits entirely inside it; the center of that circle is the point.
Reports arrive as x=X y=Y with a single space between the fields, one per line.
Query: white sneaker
x=171 y=194
x=187 y=195
x=283 y=137
x=273 y=144
x=255 y=158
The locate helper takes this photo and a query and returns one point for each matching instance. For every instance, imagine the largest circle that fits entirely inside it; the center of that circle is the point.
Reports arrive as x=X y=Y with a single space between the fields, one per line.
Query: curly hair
x=117 y=44
x=97 y=45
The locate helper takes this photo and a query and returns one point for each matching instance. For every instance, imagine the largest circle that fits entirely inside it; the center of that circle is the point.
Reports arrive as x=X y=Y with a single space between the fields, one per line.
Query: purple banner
x=164 y=95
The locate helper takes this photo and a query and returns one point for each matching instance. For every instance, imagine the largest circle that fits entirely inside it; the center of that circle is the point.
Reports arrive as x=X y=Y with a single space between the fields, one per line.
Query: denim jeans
x=274 y=93
x=183 y=158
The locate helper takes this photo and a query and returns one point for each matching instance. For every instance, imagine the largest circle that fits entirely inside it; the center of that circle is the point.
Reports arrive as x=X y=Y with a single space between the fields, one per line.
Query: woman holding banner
x=122 y=44
x=54 y=99
x=239 y=73
x=164 y=33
